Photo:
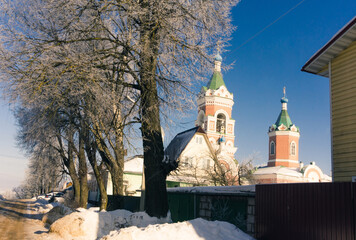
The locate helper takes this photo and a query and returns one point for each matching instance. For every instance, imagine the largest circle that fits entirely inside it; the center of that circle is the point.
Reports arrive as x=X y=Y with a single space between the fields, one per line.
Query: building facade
x=336 y=60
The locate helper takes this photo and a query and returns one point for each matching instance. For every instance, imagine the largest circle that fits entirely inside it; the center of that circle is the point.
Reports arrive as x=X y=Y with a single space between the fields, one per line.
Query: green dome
x=216 y=81
x=284 y=119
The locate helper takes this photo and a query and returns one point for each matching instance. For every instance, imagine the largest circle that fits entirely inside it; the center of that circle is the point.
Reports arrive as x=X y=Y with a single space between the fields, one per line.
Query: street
x=19 y=220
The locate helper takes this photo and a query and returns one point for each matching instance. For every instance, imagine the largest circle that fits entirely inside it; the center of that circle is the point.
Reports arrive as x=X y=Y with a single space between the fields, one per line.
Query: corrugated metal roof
x=339 y=42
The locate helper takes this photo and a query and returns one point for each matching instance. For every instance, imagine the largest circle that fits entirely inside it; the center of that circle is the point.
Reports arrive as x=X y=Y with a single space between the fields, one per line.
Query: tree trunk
x=90 y=149
x=156 y=202
x=115 y=164
x=118 y=167
x=69 y=163
x=82 y=172
x=75 y=180
x=101 y=184
x=117 y=178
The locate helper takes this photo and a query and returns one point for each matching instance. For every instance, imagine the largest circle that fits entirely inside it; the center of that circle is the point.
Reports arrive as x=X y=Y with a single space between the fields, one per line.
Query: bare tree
x=233 y=172
x=225 y=171
x=158 y=49
x=246 y=170
x=44 y=174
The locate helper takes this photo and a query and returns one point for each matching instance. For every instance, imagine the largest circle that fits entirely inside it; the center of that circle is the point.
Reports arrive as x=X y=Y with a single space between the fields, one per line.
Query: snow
x=197 y=229
x=90 y=224
x=134 y=164
x=280 y=170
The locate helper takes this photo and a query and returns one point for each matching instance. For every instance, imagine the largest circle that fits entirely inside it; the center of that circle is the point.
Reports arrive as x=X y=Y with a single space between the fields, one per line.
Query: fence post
x=195 y=205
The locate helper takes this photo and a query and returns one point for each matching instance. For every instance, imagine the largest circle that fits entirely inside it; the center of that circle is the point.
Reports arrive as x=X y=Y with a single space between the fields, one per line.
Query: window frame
x=272 y=153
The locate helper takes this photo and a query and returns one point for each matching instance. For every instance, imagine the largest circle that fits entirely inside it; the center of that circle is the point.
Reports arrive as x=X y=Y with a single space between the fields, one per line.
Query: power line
x=266 y=27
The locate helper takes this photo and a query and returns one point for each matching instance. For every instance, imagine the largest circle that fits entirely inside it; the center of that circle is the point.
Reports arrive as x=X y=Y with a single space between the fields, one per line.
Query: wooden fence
x=319 y=211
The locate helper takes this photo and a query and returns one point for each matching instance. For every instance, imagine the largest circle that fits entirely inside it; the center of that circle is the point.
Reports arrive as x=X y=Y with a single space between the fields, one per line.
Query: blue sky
x=272 y=60
x=262 y=67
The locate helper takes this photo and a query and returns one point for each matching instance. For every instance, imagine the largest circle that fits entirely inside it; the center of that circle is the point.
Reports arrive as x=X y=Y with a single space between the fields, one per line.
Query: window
x=198 y=139
x=292 y=148
x=220 y=123
x=272 y=148
x=186 y=161
x=207 y=164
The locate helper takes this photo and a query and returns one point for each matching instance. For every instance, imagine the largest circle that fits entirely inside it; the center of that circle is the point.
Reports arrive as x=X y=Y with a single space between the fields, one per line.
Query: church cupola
x=283 y=139
x=218 y=60
x=214 y=110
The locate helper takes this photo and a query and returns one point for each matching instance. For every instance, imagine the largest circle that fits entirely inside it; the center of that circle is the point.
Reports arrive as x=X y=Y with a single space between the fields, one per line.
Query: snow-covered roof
x=186 y=179
x=280 y=170
x=134 y=164
x=326 y=178
x=221 y=190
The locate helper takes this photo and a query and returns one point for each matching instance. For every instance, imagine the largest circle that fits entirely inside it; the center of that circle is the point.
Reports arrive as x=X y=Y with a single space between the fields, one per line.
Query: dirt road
x=19 y=220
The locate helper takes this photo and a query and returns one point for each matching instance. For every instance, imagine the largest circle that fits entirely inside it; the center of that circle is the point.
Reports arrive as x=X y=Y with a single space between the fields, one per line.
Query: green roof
x=284 y=119
x=216 y=81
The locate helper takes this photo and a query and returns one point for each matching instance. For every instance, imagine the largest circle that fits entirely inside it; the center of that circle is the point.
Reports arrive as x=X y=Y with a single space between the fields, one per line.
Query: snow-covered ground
x=196 y=229
x=124 y=225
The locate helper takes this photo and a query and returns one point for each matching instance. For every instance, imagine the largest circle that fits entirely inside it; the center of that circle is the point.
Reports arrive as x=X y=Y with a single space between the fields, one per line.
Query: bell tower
x=283 y=139
x=214 y=111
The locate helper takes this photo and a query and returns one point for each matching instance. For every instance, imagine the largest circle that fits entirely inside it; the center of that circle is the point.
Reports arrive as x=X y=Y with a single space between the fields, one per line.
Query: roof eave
x=311 y=66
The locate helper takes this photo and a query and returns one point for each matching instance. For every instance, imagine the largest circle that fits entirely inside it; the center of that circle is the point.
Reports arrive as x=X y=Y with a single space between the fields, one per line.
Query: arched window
x=272 y=148
x=292 y=148
x=220 y=123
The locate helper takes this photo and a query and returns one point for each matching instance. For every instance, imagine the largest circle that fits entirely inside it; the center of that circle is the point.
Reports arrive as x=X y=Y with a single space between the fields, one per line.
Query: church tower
x=283 y=139
x=214 y=111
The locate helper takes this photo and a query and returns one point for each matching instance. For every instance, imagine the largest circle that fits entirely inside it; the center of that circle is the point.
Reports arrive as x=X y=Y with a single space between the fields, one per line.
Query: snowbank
x=197 y=229
x=91 y=224
x=122 y=224
x=42 y=206
x=55 y=213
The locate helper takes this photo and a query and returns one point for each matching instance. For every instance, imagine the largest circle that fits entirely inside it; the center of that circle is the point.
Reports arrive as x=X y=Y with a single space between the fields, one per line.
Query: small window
x=292 y=148
x=200 y=140
x=207 y=163
x=187 y=161
x=272 y=148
